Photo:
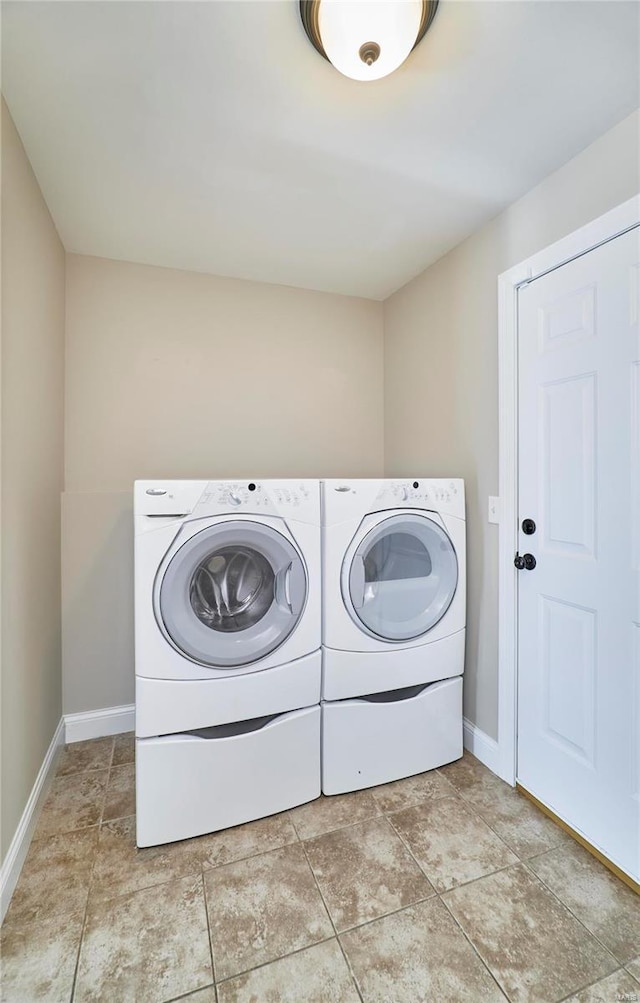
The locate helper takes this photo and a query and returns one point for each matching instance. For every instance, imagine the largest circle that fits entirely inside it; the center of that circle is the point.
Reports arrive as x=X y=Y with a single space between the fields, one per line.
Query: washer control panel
x=295 y=499
x=256 y=495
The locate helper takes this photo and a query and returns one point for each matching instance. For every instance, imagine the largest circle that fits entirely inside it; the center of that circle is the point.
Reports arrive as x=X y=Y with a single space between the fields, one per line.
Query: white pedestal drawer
x=194 y=783
x=365 y=743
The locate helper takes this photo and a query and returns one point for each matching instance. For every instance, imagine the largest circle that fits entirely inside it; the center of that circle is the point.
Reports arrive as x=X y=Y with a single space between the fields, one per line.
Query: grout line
x=411 y=854
x=392 y=912
x=571 y=913
x=480 y=877
x=333 y=926
x=478 y=813
x=475 y=811
x=80 y=943
x=206 y=912
x=82 y=773
x=338 y=828
x=347 y=961
x=84 y=918
x=588 y=985
x=64 y=832
x=419 y=798
x=475 y=950
x=315 y=881
x=248 y=856
x=461 y=884
x=281 y=957
x=191 y=992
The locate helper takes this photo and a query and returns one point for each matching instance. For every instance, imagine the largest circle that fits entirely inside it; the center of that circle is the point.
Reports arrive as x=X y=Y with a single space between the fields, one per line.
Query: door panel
x=579 y=608
x=567 y=454
x=568 y=652
x=568 y=321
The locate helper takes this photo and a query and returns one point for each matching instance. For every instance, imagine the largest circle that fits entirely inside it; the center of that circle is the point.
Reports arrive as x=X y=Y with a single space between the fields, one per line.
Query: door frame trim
x=601 y=230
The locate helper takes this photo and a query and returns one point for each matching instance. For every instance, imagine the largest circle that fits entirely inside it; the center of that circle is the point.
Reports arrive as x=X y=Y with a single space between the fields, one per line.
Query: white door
x=579 y=607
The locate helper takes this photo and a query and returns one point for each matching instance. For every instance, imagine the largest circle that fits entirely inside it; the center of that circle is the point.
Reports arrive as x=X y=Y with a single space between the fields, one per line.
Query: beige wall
x=441 y=367
x=32 y=466
x=174 y=374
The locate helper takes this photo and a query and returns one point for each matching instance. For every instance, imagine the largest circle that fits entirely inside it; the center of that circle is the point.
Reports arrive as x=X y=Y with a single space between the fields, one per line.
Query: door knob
x=524 y=562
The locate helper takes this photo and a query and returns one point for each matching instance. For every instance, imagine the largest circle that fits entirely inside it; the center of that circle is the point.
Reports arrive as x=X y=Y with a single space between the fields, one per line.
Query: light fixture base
x=309 y=10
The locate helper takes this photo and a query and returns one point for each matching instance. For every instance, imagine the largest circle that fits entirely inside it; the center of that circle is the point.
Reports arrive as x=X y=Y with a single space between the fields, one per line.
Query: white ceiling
x=212 y=136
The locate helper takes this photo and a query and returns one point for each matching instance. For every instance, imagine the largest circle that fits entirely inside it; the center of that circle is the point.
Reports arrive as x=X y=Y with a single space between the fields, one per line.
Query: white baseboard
x=98 y=723
x=478 y=743
x=12 y=863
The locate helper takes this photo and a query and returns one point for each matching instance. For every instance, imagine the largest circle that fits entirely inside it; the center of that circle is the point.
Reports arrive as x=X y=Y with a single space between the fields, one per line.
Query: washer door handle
x=356 y=582
x=296 y=587
x=282 y=589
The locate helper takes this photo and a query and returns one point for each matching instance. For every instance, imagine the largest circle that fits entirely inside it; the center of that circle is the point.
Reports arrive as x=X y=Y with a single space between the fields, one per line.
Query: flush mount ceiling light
x=366 y=39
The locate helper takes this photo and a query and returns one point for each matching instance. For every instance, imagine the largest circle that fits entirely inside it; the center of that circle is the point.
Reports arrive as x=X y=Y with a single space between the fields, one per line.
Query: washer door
x=403 y=577
x=232 y=593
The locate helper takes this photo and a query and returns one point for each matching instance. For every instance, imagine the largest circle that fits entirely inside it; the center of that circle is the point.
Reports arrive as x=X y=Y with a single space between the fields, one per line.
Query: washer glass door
x=403 y=577
x=232 y=593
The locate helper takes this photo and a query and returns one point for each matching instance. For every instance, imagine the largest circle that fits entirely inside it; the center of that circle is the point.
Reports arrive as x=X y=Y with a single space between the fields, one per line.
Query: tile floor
x=445 y=886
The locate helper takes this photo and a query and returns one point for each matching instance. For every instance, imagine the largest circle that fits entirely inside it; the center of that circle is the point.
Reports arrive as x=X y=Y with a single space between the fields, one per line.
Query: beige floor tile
x=246 y=840
x=536 y=949
x=522 y=826
x=73 y=802
x=364 y=872
x=318 y=974
x=418 y=956
x=634 y=968
x=328 y=813
x=618 y=986
x=207 y=995
x=121 y=868
x=450 y=842
x=124 y=749
x=469 y=772
x=150 y=946
x=39 y=959
x=78 y=757
x=120 y=799
x=403 y=793
x=597 y=897
x=262 y=908
x=55 y=877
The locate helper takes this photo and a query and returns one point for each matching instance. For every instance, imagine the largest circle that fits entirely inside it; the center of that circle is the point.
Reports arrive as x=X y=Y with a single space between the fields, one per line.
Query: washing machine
x=394 y=600
x=227 y=652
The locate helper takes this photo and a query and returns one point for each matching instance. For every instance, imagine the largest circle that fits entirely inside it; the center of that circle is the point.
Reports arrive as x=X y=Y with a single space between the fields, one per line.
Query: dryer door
x=232 y=593
x=402 y=578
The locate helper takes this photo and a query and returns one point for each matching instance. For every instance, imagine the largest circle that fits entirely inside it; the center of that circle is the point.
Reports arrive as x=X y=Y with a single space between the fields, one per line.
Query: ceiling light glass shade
x=368 y=39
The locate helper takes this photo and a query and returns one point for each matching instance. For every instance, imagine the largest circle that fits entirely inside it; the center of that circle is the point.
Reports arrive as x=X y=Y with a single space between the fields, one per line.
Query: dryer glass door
x=232 y=593
x=403 y=577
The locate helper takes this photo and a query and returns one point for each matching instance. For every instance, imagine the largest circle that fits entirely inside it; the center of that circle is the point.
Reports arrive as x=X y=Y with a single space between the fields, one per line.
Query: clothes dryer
x=394 y=598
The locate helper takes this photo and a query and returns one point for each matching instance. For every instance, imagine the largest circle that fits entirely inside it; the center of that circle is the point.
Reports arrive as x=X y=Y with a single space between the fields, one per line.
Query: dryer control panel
x=419 y=493
x=346 y=499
